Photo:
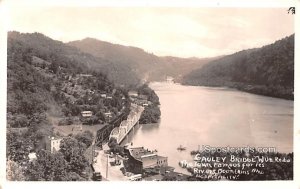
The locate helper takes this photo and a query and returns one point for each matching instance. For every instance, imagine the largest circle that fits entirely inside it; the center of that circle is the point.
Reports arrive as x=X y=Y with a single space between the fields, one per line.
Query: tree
x=47 y=166
x=54 y=67
x=114 y=146
x=151 y=114
x=73 y=152
x=14 y=172
x=18 y=147
x=86 y=137
x=100 y=116
x=112 y=143
x=19 y=121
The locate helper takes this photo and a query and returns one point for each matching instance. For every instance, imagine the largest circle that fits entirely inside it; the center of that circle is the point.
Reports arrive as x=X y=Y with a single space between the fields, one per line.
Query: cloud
x=185 y=32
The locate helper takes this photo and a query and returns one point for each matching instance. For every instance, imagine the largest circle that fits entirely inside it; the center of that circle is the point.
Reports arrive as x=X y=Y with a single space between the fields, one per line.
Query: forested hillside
x=49 y=49
x=40 y=75
x=46 y=79
x=146 y=65
x=268 y=70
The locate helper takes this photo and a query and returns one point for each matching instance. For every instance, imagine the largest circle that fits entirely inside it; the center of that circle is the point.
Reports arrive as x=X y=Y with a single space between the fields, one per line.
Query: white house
x=108 y=114
x=32 y=156
x=53 y=144
x=86 y=113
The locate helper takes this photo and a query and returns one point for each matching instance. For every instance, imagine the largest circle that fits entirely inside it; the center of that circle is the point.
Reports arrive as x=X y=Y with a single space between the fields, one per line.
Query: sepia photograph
x=126 y=93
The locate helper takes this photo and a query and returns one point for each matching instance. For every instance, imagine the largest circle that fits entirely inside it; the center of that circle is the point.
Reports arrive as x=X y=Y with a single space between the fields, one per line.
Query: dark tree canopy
x=268 y=70
x=86 y=138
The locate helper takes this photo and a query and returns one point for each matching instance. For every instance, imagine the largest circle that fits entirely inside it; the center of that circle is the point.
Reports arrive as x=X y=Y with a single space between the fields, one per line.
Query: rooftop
x=32 y=156
x=86 y=112
x=140 y=153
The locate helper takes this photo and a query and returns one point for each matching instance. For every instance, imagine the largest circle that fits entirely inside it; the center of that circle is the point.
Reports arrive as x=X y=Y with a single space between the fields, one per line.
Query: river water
x=193 y=116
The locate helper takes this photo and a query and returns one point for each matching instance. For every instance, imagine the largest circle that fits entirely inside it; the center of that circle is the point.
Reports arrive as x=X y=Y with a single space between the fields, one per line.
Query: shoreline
x=251 y=90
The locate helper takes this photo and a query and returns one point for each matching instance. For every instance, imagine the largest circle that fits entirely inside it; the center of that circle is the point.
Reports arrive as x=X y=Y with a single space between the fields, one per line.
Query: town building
x=108 y=114
x=53 y=144
x=84 y=75
x=139 y=159
x=32 y=156
x=86 y=113
x=133 y=94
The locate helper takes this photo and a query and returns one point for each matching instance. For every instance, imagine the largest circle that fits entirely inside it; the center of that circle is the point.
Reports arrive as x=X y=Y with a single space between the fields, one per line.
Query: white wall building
x=53 y=144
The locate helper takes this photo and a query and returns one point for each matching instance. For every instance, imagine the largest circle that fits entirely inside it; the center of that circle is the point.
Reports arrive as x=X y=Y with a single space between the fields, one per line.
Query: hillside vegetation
x=145 y=65
x=46 y=79
x=40 y=75
x=268 y=70
x=50 y=49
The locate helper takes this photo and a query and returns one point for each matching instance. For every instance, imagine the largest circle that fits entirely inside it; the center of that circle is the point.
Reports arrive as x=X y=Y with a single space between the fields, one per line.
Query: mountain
x=177 y=67
x=45 y=75
x=53 y=89
x=49 y=84
x=48 y=48
x=268 y=70
x=134 y=57
x=146 y=65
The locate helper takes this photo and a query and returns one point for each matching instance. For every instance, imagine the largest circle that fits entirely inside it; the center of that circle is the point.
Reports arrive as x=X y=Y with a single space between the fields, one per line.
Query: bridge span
x=119 y=133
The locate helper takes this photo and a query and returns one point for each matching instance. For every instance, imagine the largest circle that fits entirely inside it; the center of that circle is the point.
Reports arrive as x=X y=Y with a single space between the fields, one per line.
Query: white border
x=7 y=4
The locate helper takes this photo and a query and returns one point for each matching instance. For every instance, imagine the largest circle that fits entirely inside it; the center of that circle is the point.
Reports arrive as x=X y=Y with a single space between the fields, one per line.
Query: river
x=195 y=115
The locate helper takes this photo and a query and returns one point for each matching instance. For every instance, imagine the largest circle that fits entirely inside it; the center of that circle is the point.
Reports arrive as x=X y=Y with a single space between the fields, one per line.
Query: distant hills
x=124 y=65
x=268 y=70
x=146 y=66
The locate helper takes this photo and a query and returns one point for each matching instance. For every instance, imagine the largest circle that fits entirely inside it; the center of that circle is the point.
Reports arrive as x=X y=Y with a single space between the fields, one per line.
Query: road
x=114 y=173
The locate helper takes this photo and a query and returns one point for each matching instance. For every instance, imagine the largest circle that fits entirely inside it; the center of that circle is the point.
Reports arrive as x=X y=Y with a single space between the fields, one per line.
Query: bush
x=151 y=114
x=86 y=137
x=19 y=121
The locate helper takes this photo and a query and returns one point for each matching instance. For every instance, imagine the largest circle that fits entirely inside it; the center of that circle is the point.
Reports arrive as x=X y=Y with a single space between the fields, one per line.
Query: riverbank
x=265 y=90
x=151 y=113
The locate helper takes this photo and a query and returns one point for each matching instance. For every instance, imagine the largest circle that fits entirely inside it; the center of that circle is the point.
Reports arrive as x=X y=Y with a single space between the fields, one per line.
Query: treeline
x=151 y=113
x=267 y=71
x=68 y=164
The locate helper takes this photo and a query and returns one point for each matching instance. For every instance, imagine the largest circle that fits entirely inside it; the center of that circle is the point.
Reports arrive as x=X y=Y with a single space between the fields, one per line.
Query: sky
x=164 y=31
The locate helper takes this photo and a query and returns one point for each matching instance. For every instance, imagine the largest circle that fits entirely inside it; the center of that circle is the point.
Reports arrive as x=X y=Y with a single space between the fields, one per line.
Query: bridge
x=119 y=133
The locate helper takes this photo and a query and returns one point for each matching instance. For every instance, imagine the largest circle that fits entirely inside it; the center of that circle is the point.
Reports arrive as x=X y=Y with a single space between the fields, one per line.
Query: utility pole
x=92 y=159
x=107 y=167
